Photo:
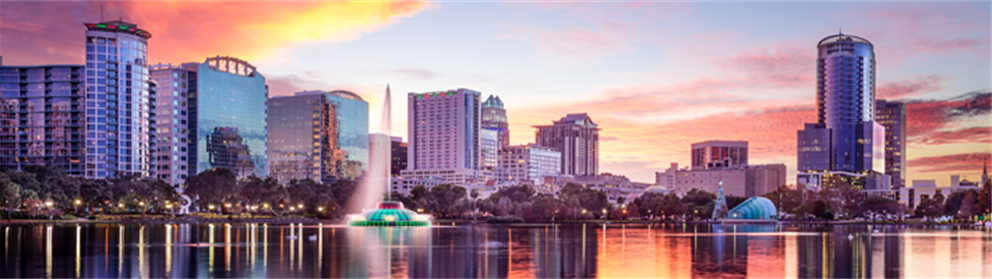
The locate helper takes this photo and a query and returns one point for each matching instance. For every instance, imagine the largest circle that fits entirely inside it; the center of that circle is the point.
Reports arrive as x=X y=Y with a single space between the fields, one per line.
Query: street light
x=78 y=202
x=320 y=208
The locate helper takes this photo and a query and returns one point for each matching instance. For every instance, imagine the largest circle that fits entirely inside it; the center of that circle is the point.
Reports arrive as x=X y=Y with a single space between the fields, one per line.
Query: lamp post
x=78 y=202
x=49 y=205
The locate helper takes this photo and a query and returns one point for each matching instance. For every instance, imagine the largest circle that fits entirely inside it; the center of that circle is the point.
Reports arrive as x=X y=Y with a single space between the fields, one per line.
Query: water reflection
x=582 y=250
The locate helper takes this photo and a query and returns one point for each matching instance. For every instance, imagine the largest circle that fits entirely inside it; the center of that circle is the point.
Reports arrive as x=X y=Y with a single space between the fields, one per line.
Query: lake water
x=590 y=250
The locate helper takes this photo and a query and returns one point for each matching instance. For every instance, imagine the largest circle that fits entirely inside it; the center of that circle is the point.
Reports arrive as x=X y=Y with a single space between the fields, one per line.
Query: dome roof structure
x=389 y=214
x=755 y=208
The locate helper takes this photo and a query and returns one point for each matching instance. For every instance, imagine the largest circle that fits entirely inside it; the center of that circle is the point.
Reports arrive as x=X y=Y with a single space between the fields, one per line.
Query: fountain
x=385 y=213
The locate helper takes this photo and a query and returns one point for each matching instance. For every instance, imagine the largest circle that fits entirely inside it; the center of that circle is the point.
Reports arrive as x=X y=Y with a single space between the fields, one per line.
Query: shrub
x=505 y=220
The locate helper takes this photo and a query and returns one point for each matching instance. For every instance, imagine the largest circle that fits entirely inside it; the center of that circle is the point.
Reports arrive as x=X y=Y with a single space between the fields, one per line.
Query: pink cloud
x=964 y=162
x=917 y=85
x=927 y=118
x=909 y=29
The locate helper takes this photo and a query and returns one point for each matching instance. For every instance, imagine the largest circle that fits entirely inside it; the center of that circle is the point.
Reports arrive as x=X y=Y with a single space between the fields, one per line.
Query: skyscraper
x=41 y=117
x=845 y=107
x=118 y=104
x=444 y=131
x=494 y=118
x=228 y=117
x=577 y=138
x=176 y=85
x=397 y=156
x=312 y=136
x=892 y=116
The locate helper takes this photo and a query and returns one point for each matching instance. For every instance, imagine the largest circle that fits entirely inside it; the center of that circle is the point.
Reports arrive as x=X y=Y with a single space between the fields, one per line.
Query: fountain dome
x=389 y=214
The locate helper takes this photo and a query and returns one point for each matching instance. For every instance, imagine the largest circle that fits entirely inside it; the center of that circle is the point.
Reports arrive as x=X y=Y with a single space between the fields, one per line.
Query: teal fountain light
x=389 y=214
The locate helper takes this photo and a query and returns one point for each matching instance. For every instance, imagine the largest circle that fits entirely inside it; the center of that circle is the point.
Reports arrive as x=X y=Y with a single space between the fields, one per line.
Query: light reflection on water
x=581 y=250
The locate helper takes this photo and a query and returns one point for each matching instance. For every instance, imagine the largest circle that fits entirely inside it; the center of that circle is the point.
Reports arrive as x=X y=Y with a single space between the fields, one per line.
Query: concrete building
x=892 y=116
x=927 y=188
x=716 y=163
x=312 y=135
x=42 y=120
x=403 y=185
x=177 y=85
x=845 y=137
x=614 y=186
x=119 y=122
x=494 y=118
x=489 y=149
x=444 y=136
x=530 y=163
x=398 y=156
x=577 y=138
x=718 y=154
x=744 y=181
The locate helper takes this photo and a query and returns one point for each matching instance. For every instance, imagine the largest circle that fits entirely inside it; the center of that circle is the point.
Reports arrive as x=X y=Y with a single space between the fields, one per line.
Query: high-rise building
x=577 y=138
x=228 y=117
x=845 y=108
x=892 y=116
x=41 y=117
x=489 y=149
x=530 y=163
x=494 y=118
x=444 y=136
x=443 y=130
x=398 y=156
x=118 y=104
x=718 y=154
x=312 y=136
x=176 y=85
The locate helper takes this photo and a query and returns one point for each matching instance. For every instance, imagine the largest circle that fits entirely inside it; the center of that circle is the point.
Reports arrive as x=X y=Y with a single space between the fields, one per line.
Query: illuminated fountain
x=385 y=213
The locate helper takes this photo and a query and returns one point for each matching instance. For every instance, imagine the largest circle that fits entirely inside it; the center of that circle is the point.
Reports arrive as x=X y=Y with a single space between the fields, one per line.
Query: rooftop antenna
x=101 y=11
x=840 y=31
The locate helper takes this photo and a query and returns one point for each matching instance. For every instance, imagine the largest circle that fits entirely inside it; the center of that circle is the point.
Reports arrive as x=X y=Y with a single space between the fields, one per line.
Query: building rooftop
x=118 y=26
x=841 y=37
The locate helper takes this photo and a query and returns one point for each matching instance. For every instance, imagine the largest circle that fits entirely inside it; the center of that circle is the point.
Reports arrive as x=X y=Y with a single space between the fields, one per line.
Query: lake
x=569 y=250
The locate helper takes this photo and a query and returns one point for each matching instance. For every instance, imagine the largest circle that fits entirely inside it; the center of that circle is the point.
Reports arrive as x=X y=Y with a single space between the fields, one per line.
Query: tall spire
x=387 y=115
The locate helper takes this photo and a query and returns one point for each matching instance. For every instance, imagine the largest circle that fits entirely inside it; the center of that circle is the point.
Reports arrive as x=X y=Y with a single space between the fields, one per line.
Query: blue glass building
x=845 y=137
x=119 y=106
x=41 y=117
x=318 y=135
x=228 y=116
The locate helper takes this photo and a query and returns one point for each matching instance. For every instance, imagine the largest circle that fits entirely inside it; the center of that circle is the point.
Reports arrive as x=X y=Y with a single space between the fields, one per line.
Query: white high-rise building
x=488 y=149
x=119 y=106
x=530 y=163
x=444 y=131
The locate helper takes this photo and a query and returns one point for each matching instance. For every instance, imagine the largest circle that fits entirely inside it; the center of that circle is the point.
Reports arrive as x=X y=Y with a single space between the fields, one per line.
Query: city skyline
x=655 y=76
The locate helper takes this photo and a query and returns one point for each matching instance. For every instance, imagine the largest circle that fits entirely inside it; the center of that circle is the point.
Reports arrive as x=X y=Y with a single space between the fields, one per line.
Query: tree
x=521 y=193
x=262 y=193
x=631 y=211
x=923 y=209
x=446 y=195
x=10 y=193
x=967 y=206
x=670 y=205
x=543 y=207
x=590 y=199
x=343 y=190
x=937 y=204
x=955 y=200
x=648 y=203
x=984 y=203
x=734 y=201
x=878 y=205
x=214 y=186
x=309 y=193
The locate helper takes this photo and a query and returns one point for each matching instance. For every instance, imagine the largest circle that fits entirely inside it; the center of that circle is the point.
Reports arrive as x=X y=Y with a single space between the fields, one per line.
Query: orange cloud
x=191 y=31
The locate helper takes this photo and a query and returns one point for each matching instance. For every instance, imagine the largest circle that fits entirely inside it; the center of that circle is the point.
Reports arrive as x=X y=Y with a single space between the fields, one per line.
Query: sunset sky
x=656 y=76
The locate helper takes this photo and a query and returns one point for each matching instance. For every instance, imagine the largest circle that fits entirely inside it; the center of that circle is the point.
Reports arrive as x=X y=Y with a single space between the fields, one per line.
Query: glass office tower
x=228 y=116
x=41 y=117
x=313 y=135
x=845 y=94
x=118 y=104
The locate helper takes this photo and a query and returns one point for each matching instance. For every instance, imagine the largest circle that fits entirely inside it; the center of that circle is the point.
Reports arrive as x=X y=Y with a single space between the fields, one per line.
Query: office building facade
x=718 y=154
x=892 y=116
x=489 y=147
x=311 y=136
x=494 y=118
x=176 y=85
x=845 y=108
x=529 y=163
x=576 y=136
x=228 y=118
x=397 y=156
x=119 y=106
x=41 y=117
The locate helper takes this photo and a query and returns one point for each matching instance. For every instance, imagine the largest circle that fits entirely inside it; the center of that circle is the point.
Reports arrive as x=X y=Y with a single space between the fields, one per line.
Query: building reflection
x=660 y=251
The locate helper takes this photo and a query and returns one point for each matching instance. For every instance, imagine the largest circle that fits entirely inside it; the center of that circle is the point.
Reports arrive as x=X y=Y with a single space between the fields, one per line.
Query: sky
x=656 y=76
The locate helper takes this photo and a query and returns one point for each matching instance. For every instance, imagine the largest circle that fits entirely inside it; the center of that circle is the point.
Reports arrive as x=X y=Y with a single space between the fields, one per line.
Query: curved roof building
x=755 y=208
